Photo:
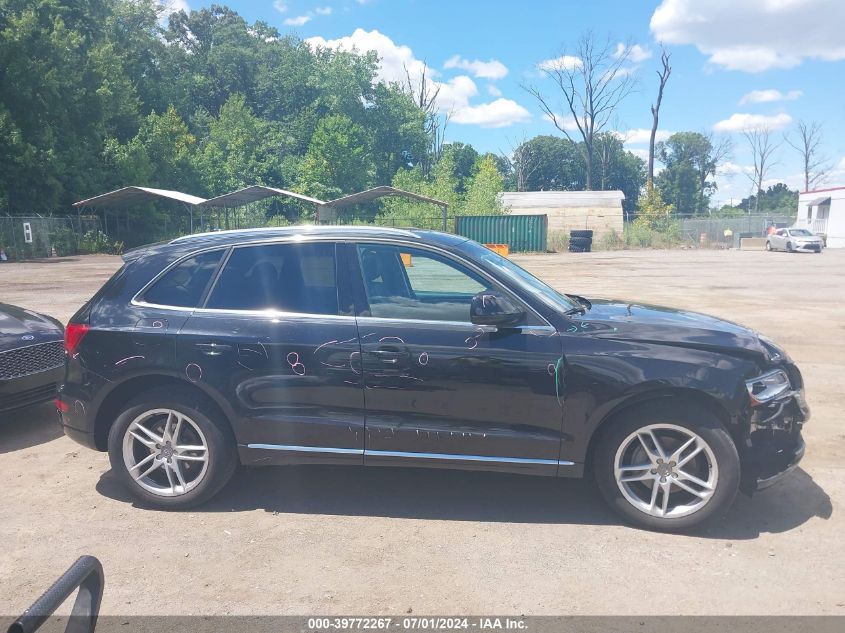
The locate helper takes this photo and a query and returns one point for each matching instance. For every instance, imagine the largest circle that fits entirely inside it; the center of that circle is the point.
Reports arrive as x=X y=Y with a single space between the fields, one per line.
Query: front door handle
x=390 y=355
x=213 y=349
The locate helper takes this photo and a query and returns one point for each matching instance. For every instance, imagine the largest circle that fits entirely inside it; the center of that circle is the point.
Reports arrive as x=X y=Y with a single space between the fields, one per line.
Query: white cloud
x=564 y=62
x=298 y=20
x=754 y=35
x=493 y=69
x=493 y=90
x=393 y=58
x=323 y=10
x=769 y=96
x=455 y=94
x=640 y=152
x=636 y=53
x=739 y=122
x=566 y=120
x=280 y=6
x=638 y=136
x=498 y=113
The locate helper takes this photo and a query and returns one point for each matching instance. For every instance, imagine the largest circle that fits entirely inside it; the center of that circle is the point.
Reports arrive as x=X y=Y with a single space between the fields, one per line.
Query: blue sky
x=736 y=64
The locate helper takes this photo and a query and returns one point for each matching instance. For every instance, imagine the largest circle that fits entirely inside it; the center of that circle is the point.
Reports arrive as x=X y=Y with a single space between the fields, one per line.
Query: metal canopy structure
x=381 y=192
x=255 y=193
x=129 y=197
x=132 y=196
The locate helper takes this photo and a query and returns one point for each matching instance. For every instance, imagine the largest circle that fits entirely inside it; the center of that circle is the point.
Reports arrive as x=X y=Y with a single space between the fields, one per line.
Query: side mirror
x=493 y=308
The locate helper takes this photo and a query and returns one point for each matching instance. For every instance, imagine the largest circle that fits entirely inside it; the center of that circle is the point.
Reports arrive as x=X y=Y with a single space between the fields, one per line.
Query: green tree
x=690 y=161
x=616 y=168
x=483 y=189
x=399 y=139
x=653 y=212
x=548 y=163
x=778 y=199
x=238 y=150
x=338 y=160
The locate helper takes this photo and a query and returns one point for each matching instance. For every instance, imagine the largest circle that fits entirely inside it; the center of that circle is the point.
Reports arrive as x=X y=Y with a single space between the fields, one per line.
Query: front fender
x=603 y=377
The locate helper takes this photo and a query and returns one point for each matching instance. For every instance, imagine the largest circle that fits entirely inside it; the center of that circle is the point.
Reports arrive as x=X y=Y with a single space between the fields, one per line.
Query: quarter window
x=297 y=278
x=410 y=283
x=183 y=285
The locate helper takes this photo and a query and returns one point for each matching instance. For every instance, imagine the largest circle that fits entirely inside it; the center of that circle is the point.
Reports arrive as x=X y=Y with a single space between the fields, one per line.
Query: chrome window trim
x=438 y=456
x=273 y=314
x=468 y=325
x=299 y=238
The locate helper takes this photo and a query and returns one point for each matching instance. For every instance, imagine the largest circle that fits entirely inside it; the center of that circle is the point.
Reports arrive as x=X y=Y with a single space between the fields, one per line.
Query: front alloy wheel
x=666 y=470
x=666 y=465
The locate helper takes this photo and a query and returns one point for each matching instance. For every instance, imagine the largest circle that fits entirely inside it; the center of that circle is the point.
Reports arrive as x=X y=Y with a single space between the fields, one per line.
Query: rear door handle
x=213 y=349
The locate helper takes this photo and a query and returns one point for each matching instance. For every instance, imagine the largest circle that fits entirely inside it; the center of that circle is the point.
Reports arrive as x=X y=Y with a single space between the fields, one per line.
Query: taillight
x=62 y=406
x=74 y=333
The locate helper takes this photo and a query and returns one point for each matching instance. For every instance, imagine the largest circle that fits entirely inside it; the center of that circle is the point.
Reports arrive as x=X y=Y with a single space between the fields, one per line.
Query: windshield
x=800 y=233
x=520 y=276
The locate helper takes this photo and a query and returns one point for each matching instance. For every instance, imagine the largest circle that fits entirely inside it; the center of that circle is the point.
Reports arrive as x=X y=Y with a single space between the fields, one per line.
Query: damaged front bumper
x=773 y=446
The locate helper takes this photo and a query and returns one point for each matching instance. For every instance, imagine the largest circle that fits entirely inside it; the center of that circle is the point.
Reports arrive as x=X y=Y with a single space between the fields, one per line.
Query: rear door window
x=298 y=278
x=184 y=284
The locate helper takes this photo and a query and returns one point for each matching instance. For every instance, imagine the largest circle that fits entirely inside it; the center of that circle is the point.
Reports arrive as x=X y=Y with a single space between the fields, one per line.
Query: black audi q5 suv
x=379 y=347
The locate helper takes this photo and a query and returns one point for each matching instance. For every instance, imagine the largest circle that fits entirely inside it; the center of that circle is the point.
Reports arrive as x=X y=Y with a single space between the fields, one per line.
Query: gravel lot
x=319 y=540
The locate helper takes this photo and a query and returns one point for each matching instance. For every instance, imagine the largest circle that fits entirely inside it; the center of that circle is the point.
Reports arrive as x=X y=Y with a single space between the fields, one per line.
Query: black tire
x=581 y=233
x=580 y=244
x=768 y=246
x=702 y=423
x=222 y=457
x=789 y=247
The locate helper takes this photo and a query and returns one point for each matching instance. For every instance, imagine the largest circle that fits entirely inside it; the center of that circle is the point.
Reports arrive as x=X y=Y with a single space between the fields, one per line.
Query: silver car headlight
x=767 y=387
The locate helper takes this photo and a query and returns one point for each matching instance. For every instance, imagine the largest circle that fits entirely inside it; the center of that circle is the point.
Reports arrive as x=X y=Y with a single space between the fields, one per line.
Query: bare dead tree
x=520 y=161
x=424 y=92
x=762 y=147
x=808 y=143
x=663 y=75
x=592 y=82
x=720 y=150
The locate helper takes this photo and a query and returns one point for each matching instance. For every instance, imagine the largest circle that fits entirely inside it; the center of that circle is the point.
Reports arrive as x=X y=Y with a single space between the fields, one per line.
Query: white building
x=823 y=212
x=600 y=211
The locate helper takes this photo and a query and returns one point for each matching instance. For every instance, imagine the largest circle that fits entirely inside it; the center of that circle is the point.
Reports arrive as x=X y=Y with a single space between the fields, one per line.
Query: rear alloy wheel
x=165 y=452
x=668 y=471
x=768 y=246
x=170 y=450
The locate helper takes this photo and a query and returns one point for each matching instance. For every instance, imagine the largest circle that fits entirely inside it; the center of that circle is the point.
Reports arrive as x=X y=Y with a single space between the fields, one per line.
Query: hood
x=18 y=324
x=655 y=324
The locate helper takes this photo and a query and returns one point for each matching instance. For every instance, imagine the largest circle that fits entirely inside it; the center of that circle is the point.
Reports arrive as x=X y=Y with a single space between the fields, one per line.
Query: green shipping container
x=522 y=233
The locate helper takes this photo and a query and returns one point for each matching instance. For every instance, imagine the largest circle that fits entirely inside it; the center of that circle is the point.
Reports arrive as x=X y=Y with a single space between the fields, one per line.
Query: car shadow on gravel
x=476 y=496
x=28 y=427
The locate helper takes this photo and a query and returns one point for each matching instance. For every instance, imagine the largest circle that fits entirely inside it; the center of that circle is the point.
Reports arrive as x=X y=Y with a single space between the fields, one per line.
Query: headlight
x=767 y=387
x=776 y=354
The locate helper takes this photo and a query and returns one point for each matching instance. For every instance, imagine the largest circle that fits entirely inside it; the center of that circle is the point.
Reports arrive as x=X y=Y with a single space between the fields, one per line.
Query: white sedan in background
x=794 y=240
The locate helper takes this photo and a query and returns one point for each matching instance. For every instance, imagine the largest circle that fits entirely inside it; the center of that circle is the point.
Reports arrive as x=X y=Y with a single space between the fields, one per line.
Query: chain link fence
x=29 y=237
x=727 y=231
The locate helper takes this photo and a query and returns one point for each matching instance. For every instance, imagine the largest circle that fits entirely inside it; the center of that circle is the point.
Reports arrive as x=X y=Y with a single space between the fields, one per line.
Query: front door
x=275 y=338
x=439 y=390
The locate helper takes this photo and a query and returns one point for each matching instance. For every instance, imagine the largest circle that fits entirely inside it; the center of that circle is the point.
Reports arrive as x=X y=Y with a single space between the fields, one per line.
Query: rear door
x=441 y=391
x=275 y=337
